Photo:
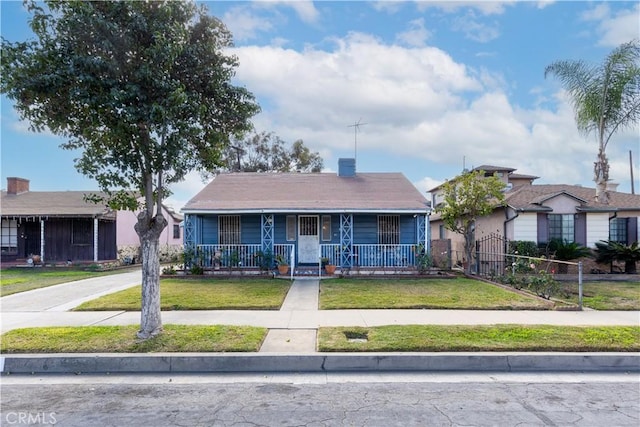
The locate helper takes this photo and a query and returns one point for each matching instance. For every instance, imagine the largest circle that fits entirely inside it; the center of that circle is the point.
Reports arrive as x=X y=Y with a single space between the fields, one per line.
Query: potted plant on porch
x=283 y=266
x=328 y=267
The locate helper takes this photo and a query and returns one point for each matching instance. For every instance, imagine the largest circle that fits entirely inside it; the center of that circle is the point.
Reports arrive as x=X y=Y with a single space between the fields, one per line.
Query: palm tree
x=605 y=98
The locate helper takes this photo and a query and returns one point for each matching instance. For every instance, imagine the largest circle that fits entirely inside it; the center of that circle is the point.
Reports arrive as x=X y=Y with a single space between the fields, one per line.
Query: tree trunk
x=149 y=232
x=469 y=241
x=601 y=177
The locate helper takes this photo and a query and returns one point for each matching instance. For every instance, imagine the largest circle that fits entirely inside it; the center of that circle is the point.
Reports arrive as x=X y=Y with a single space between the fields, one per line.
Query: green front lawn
x=605 y=295
x=459 y=293
x=20 y=279
x=200 y=294
x=122 y=339
x=428 y=338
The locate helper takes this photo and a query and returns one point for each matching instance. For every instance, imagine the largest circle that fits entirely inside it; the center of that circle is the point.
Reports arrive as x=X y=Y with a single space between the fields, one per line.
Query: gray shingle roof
x=51 y=204
x=532 y=197
x=308 y=192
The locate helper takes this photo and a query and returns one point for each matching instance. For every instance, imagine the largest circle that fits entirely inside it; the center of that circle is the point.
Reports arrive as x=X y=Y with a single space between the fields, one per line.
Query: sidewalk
x=292 y=329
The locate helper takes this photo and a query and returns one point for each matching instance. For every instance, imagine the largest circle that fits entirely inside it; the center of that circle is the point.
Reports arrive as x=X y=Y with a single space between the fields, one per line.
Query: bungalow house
x=540 y=213
x=359 y=220
x=56 y=225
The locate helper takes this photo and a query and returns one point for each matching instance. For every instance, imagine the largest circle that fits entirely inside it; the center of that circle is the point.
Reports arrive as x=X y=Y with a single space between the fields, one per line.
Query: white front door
x=308 y=239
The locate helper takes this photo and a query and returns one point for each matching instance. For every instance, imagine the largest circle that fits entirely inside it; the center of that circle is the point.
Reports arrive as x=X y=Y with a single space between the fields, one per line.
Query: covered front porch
x=306 y=242
x=253 y=256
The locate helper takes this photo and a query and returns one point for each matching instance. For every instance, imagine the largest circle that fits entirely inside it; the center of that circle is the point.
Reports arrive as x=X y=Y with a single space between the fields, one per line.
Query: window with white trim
x=9 y=236
x=388 y=229
x=229 y=229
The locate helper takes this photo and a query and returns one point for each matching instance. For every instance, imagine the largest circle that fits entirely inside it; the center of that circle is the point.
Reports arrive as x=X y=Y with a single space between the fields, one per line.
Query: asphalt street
x=410 y=399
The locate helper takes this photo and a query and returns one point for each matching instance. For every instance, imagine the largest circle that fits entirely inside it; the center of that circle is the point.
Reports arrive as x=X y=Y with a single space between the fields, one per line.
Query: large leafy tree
x=143 y=90
x=605 y=98
x=466 y=198
x=266 y=152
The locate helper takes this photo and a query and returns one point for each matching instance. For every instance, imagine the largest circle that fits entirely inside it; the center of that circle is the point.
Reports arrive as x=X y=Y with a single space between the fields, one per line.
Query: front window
x=9 y=236
x=561 y=227
x=388 y=229
x=176 y=231
x=229 y=230
x=618 y=230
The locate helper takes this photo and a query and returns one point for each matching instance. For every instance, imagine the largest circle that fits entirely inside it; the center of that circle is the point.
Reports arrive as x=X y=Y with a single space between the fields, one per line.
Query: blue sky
x=438 y=84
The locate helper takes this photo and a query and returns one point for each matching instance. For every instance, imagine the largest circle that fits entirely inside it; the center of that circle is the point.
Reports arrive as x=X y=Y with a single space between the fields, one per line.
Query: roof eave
x=306 y=211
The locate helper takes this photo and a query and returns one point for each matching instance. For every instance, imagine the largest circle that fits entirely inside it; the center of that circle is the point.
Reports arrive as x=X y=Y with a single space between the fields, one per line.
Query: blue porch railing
x=252 y=256
x=384 y=255
x=373 y=255
x=239 y=256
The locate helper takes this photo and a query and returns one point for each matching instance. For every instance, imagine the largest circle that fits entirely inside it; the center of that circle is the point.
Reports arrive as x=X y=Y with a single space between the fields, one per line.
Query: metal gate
x=490 y=255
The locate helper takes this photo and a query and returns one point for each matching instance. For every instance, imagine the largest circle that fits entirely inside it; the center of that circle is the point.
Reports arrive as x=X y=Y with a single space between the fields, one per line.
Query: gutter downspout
x=506 y=214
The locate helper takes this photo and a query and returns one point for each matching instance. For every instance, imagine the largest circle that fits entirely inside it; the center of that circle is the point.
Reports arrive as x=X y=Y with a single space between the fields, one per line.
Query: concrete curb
x=318 y=362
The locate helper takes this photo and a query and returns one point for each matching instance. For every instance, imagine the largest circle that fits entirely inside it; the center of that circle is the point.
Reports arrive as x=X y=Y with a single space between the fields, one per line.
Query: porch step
x=307 y=271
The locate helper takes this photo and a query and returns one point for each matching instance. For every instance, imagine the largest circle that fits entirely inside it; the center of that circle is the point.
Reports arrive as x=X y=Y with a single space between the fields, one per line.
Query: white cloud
x=614 y=28
x=306 y=10
x=183 y=191
x=416 y=35
x=389 y=6
x=541 y=4
x=419 y=105
x=426 y=184
x=244 y=23
x=474 y=29
x=482 y=6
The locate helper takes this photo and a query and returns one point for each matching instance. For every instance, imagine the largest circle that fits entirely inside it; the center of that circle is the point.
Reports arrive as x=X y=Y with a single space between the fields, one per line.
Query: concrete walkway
x=292 y=330
x=297 y=337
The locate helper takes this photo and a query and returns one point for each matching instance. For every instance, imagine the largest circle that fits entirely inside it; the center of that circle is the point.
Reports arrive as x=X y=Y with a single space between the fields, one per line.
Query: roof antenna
x=356 y=128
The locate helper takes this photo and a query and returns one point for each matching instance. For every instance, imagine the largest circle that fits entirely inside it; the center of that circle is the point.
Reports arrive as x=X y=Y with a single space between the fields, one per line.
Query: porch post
x=42 y=240
x=428 y=236
x=188 y=238
x=422 y=231
x=95 y=239
x=346 y=240
x=267 y=233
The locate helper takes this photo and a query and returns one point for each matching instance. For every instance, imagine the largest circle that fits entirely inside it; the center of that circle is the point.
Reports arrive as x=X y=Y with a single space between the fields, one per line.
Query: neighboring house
x=369 y=220
x=540 y=213
x=59 y=226
x=170 y=239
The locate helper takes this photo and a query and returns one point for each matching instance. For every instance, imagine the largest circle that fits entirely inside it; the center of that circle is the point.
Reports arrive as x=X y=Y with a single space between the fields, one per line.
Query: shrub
x=543 y=285
x=197 y=269
x=566 y=251
x=524 y=248
x=169 y=270
x=608 y=251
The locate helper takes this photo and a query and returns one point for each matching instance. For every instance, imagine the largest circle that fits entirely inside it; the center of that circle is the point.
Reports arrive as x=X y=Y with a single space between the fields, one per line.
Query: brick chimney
x=17 y=185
